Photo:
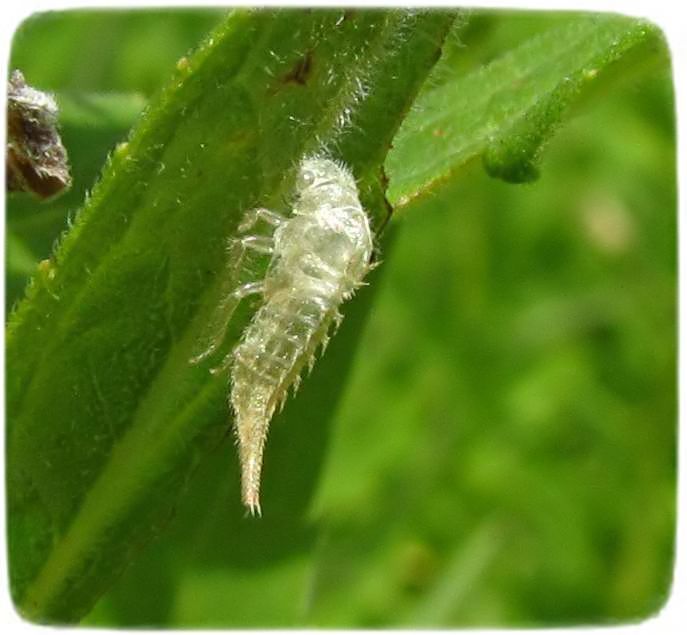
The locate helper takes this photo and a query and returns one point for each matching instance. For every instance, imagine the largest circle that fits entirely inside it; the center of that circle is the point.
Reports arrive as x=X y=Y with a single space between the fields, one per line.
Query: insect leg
x=260 y=213
x=236 y=281
x=250 y=288
x=261 y=244
x=232 y=289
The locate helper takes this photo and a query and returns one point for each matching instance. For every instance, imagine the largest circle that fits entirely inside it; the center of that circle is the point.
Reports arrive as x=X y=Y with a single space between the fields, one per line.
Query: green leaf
x=507 y=110
x=106 y=417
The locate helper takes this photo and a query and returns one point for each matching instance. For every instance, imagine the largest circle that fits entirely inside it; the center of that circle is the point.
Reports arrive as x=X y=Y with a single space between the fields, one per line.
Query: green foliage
x=494 y=445
x=507 y=110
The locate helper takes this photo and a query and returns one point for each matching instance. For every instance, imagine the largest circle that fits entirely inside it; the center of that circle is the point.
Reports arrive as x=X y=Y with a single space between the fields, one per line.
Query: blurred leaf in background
x=504 y=452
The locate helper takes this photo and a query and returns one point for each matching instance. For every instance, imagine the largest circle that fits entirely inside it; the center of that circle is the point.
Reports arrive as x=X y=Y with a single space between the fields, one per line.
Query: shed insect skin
x=35 y=158
x=319 y=257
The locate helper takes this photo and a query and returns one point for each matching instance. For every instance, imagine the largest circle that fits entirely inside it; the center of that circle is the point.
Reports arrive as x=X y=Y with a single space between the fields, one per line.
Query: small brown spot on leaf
x=301 y=71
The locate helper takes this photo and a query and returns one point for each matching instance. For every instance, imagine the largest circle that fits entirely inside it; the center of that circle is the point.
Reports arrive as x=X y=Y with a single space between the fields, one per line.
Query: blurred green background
x=504 y=452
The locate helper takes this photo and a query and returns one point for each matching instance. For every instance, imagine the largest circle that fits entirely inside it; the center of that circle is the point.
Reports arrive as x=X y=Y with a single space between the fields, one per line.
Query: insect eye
x=305 y=179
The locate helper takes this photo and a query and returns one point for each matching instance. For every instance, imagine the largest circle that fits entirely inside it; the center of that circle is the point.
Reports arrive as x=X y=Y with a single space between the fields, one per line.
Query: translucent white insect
x=319 y=256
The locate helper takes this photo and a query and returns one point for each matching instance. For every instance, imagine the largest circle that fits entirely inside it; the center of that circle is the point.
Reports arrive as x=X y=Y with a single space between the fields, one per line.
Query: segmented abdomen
x=273 y=350
x=278 y=343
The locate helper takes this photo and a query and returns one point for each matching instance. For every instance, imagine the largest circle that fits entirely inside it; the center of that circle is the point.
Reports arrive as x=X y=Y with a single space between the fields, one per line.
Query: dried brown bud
x=36 y=159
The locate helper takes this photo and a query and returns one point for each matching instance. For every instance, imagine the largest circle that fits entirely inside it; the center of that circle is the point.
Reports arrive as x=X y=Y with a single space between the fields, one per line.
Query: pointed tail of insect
x=250 y=488
x=251 y=432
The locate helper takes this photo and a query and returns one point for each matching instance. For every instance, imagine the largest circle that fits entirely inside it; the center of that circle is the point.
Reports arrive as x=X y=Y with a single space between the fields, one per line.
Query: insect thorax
x=331 y=244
